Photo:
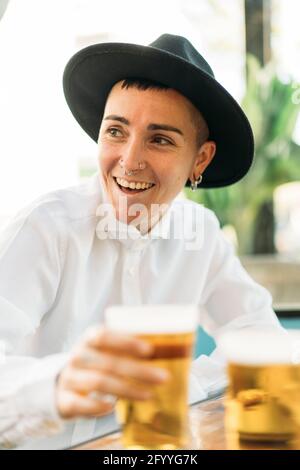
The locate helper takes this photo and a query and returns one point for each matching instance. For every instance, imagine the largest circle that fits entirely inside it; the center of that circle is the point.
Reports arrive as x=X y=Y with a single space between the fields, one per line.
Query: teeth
x=123 y=183
x=133 y=185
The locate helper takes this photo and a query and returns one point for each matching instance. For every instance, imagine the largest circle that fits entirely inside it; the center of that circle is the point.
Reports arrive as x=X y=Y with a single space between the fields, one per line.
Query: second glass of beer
x=263 y=400
x=162 y=421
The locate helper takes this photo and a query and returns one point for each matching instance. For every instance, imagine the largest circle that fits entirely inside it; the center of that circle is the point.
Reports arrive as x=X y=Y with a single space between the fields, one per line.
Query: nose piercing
x=142 y=166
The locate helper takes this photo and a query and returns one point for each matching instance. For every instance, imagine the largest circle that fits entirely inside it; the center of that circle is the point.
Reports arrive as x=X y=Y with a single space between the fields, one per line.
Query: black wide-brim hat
x=173 y=61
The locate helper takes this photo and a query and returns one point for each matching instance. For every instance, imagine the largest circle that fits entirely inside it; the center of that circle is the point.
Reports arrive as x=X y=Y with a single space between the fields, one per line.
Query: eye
x=113 y=132
x=162 y=140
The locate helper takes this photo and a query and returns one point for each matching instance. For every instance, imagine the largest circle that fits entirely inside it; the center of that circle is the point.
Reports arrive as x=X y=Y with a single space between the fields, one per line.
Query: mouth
x=120 y=183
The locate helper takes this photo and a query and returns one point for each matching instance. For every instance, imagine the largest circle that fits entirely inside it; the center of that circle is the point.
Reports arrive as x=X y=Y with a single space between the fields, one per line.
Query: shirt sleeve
x=30 y=266
x=231 y=300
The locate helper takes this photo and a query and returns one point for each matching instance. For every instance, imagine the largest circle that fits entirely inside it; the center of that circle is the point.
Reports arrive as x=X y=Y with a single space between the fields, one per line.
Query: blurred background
x=253 y=47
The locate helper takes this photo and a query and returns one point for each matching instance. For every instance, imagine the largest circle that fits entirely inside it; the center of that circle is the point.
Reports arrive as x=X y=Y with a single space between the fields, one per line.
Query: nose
x=132 y=157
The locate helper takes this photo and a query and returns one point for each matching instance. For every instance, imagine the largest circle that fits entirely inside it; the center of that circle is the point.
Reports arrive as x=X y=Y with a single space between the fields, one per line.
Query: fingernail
x=162 y=374
x=146 y=348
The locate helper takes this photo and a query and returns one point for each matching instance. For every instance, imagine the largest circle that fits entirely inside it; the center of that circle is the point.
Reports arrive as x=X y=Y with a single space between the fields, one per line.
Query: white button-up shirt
x=62 y=263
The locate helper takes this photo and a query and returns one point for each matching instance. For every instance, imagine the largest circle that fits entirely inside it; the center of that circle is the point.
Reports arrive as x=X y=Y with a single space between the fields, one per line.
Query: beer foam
x=149 y=319
x=258 y=347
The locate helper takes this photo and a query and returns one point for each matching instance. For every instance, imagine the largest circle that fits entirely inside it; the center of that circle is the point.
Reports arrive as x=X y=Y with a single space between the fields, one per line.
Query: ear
x=204 y=156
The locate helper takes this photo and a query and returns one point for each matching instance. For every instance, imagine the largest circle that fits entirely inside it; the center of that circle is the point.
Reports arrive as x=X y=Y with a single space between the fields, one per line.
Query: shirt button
x=131 y=271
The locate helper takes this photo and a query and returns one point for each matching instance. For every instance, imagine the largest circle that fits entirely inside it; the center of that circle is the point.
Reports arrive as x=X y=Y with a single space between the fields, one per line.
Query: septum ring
x=142 y=166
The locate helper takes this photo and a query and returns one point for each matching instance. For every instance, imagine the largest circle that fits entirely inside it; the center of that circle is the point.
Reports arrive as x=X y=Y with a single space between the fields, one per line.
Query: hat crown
x=181 y=47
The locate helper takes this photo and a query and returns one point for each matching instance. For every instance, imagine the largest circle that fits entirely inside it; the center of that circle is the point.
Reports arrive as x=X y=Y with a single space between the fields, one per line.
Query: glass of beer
x=162 y=421
x=263 y=400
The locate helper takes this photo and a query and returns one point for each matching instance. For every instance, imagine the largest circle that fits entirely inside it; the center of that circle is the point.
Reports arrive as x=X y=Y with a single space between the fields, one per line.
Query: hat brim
x=91 y=73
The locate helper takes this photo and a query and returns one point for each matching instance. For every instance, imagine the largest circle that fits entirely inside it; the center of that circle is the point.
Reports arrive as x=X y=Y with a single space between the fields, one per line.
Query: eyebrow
x=151 y=127
x=114 y=117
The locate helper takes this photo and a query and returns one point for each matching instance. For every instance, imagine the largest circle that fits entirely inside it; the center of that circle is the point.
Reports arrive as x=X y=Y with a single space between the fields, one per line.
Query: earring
x=194 y=184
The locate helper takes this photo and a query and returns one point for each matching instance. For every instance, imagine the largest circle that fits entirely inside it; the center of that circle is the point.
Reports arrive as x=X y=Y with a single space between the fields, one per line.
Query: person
x=161 y=121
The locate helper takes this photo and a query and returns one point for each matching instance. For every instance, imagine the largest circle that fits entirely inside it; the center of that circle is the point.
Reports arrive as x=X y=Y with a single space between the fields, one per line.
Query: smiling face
x=155 y=133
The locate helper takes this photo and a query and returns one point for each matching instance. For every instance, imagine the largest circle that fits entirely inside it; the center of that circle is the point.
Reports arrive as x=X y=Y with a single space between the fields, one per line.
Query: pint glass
x=263 y=402
x=160 y=422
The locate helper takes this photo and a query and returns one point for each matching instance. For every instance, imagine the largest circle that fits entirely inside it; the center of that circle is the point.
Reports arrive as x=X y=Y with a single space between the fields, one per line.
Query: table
x=207 y=432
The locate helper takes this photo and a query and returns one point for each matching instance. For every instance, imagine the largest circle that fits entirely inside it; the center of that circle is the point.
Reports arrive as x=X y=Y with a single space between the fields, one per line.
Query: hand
x=106 y=363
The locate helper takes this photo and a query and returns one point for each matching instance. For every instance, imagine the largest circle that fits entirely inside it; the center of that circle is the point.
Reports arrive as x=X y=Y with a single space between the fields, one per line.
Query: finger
x=86 y=382
x=73 y=404
x=124 y=367
x=104 y=339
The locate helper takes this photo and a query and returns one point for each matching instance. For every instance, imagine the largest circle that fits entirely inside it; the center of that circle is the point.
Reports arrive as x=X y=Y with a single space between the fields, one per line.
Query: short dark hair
x=145 y=84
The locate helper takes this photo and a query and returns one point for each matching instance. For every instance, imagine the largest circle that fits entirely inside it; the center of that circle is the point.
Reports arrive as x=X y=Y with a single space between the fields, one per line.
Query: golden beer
x=263 y=402
x=161 y=422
